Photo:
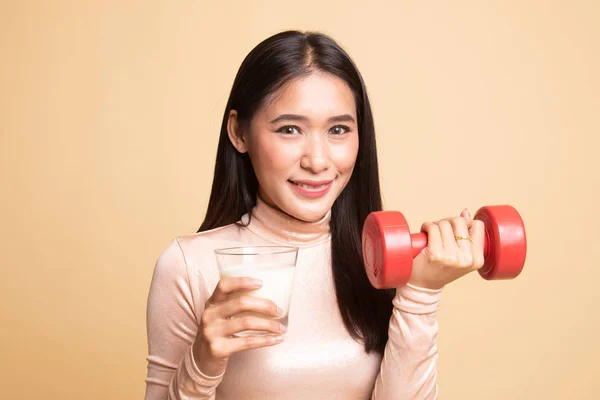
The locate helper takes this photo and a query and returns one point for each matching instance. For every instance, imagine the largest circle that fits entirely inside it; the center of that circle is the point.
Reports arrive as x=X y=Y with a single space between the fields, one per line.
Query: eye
x=288 y=130
x=340 y=129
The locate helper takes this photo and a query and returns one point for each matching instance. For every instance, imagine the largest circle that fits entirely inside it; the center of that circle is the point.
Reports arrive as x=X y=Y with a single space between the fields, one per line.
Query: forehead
x=318 y=95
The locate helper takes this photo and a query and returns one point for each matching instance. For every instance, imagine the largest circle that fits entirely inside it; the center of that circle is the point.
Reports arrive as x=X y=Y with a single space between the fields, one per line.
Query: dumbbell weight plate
x=387 y=249
x=506 y=242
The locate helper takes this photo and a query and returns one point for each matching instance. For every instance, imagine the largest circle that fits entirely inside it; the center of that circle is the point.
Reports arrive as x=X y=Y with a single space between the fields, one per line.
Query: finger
x=229 y=285
x=461 y=228
x=251 y=323
x=466 y=215
x=249 y=303
x=434 y=238
x=447 y=233
x=253 y=342
x=477 y=232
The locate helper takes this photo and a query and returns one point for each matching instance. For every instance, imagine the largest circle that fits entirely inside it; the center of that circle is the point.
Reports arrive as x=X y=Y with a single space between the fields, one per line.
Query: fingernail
x=279 y=311
x=468 y=213
x=256 y=282
x=282 y=328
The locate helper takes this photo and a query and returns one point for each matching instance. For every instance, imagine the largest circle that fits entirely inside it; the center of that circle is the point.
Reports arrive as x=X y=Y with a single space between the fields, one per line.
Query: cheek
x=271 y=158
x=344 y=156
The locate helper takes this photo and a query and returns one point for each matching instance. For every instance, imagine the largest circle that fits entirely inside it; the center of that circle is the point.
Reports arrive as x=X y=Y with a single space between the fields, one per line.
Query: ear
x=236 y=135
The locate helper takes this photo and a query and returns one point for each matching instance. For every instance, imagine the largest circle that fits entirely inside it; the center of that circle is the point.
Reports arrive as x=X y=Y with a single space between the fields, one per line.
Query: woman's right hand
x=215 y=342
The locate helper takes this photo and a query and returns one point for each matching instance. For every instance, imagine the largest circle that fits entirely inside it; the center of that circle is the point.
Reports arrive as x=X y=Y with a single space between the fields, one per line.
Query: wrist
x=426 y=285
x=206 y=365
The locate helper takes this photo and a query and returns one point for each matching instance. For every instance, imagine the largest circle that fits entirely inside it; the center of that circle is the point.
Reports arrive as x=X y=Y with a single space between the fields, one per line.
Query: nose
x=316 y=154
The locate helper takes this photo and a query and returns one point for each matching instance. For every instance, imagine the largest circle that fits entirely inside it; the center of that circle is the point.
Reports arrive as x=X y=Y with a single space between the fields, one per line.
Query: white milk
x=277 y=279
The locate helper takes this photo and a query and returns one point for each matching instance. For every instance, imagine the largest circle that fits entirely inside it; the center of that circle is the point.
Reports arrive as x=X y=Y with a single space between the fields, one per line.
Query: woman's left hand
x=454 y=249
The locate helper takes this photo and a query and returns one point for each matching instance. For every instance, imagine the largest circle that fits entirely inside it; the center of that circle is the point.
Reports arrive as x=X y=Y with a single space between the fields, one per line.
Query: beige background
x=109 y=117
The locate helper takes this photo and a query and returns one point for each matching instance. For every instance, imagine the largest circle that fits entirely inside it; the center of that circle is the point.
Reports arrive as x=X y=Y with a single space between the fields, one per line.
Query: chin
x=308 y=211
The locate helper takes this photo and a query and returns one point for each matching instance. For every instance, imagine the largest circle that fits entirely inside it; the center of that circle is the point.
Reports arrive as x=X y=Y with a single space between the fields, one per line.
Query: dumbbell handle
x=419 y=242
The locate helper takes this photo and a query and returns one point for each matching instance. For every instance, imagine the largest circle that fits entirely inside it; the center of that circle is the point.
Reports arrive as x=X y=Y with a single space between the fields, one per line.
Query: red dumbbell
x=389 y=247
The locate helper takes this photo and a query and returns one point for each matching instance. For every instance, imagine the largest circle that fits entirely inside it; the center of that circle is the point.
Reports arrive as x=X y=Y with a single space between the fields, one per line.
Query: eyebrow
x=296 y=117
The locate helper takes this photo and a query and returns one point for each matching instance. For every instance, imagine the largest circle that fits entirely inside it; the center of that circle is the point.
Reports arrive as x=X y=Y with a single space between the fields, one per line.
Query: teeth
x=310 y=187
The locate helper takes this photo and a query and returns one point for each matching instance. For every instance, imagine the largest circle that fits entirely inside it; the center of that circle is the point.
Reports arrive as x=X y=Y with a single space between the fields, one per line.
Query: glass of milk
x=275 y=266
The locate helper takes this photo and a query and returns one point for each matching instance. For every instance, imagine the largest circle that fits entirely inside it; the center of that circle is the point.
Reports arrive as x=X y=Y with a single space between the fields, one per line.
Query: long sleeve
x=171 y=327
x=409 y=365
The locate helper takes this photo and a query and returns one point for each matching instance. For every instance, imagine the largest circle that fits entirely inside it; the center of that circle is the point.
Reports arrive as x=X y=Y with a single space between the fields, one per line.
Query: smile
x=311 y=188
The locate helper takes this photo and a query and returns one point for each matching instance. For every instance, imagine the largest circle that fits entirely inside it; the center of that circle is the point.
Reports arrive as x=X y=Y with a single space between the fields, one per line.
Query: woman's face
x=303 y=144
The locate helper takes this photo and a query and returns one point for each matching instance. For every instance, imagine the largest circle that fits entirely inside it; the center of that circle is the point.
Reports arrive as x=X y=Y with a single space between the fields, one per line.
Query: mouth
x=311 y=188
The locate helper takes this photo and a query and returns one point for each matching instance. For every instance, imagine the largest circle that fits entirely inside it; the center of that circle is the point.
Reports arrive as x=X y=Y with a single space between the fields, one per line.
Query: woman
x=297 y=164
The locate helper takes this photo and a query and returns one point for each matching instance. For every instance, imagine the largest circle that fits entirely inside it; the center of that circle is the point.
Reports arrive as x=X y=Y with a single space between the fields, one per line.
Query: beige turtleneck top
x=317 y=359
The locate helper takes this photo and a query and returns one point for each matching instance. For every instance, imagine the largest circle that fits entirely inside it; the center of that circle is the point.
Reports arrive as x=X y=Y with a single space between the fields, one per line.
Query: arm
x=172 y=325
x=408 y=369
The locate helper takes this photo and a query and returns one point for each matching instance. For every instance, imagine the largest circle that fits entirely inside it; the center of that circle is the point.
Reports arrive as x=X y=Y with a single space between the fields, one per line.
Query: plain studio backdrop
x=109 y=119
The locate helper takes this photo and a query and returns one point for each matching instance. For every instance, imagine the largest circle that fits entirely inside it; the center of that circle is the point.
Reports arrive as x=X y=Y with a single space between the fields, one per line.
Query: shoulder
x=191 y=257
x=199 y=246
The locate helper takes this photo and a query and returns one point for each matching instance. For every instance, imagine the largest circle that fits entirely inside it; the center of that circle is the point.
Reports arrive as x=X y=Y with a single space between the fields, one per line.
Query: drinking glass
x=275 y=266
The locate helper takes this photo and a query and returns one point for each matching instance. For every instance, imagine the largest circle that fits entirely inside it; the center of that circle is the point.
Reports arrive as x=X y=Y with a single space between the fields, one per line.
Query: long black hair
x=275 y=61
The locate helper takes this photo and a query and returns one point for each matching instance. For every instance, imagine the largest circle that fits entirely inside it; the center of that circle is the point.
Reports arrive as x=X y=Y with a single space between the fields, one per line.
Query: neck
x=277 y=226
